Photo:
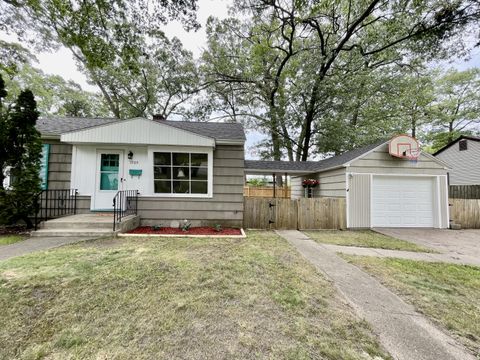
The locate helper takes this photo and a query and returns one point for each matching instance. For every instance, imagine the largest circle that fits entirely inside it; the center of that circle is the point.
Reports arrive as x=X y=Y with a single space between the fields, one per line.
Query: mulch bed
x=201 y=230
x=13 y=230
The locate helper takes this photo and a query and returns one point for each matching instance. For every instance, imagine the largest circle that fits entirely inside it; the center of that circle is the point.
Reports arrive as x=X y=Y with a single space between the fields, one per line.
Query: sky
x=61 y=62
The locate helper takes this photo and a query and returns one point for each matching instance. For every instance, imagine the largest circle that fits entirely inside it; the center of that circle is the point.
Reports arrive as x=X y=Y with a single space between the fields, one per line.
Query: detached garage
x=387 y=184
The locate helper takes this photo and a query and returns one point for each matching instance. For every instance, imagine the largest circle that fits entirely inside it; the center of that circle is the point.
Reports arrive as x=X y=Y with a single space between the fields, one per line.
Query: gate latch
x=271 y=205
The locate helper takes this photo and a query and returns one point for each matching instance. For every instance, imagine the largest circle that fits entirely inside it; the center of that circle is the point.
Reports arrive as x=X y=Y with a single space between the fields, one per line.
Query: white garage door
x=402 y=201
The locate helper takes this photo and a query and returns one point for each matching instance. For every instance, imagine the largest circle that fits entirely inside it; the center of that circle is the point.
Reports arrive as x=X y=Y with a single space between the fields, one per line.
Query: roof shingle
x=56 y=126
x=310 y=166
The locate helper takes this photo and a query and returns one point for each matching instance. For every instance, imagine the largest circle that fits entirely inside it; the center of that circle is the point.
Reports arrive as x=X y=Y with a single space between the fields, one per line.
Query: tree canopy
x=317 y=77
x=20 y=154
x=305 y=71
x=118 y=44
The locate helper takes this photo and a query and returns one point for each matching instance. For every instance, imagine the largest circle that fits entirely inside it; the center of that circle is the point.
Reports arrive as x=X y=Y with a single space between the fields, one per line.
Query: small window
x=462 y=145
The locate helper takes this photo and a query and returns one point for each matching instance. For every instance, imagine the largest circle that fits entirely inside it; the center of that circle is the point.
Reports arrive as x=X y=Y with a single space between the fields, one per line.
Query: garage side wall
x=297 y=190
x=332 y=184
x=358 y=200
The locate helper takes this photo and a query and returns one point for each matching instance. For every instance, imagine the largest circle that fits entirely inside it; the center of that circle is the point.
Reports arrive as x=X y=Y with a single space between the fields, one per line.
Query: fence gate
x=316 y=213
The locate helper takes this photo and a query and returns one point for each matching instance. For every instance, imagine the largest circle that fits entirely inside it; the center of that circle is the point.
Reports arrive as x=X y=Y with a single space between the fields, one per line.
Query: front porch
x=58 y=214
x=91 y=224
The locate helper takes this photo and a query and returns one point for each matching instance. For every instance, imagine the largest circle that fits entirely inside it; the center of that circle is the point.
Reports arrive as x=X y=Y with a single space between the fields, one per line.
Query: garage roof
x=306 y=167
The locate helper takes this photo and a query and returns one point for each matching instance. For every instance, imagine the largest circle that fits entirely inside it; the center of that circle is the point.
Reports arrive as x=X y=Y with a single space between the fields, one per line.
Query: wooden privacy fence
x=266 y=192
x=304 y=213
x=464 y=191
x=465 y=212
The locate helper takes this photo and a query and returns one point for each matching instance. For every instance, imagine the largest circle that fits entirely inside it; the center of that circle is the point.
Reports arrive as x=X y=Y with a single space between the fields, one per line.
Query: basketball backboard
x=404 y=146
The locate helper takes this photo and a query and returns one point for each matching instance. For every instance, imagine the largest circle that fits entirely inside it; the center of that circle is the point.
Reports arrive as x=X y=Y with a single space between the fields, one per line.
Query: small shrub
x=186 y=225
x=217 y=227
x=157 y=227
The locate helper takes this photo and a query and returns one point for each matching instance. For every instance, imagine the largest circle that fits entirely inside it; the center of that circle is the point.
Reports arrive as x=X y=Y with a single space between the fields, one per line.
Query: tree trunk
x=450 y=131
x=308 y=122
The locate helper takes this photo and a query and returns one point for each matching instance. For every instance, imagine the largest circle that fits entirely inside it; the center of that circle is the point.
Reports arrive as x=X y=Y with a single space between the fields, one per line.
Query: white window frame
x=181 y=149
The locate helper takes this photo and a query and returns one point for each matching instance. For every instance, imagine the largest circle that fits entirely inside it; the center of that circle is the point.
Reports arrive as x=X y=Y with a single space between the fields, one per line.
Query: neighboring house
x=380 y=190
x=463 y=157
x=182 y=170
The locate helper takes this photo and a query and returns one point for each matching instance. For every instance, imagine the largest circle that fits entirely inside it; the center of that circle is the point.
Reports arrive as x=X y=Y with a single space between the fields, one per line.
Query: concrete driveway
x=452 y=242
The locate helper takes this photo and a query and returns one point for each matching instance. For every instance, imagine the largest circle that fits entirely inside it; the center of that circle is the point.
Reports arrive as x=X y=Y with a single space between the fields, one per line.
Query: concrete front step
x=81 y=221
x=91 y=224
x=54 y=224
x=72 y=232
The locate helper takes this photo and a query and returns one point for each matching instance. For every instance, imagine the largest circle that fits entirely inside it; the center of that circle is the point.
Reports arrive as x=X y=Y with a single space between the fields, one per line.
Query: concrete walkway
x=37 y=244
x=403 y=332
x=410 y=255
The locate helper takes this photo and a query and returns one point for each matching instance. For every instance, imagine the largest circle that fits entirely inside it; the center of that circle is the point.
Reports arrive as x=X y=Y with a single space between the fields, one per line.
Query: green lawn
x=363 y=238
x=253 y=298
x=449 y=294
x=10 y=239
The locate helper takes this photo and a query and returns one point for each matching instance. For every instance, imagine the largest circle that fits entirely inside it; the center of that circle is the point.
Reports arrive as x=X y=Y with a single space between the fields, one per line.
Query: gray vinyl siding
x=83 y=204
x=381 y=162
x=297 y=190
x=359 y=210
x=465 y=165
x=59 y=165
x=225 y=207
x=332 y=183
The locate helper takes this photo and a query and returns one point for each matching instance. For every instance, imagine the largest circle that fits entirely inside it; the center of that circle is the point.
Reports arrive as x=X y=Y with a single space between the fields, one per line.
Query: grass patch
x=447 y=293
x=10 y=239
x=183 y=298
x=364 y=238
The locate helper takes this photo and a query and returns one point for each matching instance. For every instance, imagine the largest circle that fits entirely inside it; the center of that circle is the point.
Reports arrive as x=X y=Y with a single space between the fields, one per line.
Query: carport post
x=274 y=186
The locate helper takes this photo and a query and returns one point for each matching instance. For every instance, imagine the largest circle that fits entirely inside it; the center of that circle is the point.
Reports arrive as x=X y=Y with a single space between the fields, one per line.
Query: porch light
x=180 y=174
x=130 y=155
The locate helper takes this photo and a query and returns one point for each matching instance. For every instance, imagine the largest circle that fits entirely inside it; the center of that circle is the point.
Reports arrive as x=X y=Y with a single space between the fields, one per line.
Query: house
x=196 y=171
x=463 y=157
x=380 y=190
x=182 y=170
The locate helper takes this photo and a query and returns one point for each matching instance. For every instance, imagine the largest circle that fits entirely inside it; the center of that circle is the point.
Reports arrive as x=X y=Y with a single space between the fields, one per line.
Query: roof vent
x=462 y=145
x=158 y=117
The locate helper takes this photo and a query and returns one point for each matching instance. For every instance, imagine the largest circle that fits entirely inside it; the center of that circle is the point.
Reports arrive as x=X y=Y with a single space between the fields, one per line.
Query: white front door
x=403 y=201
x=109 y=178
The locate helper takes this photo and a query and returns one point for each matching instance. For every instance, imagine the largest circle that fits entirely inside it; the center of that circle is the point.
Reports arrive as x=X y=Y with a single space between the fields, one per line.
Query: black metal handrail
x=54 y=203
x=125 y=203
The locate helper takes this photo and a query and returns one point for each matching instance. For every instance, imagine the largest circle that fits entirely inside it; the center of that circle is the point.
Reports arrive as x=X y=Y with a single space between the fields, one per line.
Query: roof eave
x=46 y=136
x=332 y=168
x=229 y=142
x=277 y=171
